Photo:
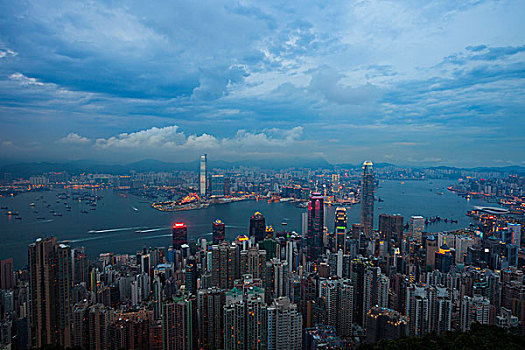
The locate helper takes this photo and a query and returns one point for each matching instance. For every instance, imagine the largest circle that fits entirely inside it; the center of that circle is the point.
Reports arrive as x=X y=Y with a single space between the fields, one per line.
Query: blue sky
x=406 y=82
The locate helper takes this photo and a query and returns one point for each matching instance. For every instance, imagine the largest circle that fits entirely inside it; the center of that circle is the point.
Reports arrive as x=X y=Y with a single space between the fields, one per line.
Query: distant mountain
x=25 y=170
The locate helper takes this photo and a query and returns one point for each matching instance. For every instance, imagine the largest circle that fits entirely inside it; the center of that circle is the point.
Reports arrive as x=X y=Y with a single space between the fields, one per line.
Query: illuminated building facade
x=257 y=227
x=203 y=175
x=180 y=235
x=315 y=226
x=367 y=197
x=219 y=231
x=340 y=226
x=50 y=292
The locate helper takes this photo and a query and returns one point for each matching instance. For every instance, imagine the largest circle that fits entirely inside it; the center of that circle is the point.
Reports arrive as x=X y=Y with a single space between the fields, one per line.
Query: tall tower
x=315 y=226
x=257 y=227
x=203 y=176
x=367 y=197
x=50 y=291
x=219 y=231
x=340 y=228
x=180 y=235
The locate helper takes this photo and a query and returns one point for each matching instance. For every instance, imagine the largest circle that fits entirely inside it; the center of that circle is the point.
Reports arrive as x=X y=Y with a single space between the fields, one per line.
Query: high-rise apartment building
x=225 y=265
x=7 y=278
x=50 y=292
x=367 y=197
x=245 y=319
x=383 y=323
x=211 y=303
x=284 y=325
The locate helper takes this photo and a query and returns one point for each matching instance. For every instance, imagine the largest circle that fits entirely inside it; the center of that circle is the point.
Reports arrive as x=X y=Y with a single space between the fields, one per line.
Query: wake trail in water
x=154 y=229
x=116 y=229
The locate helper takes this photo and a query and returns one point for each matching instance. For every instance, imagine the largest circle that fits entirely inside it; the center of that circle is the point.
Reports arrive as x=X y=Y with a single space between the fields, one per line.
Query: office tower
x=180 y=235
x=515 y=233
x=391 y=227
x=245 y=319
x=211 y=302
x=203 y=176
x=315 y=226
x=340 y=229
x=416 y=228
x=178 y=318
x=476 y=309
x=224 y=265
x=444 y=258
x=217 y=185
x=219 y=231
x=257 y=227
x=358 y=280
x=7 y=278
x=375 y=289
x=50 y=290
x=304 y=224
x=431 y=249
x=367 y=197
x=284 y=325
x=253 y=262
x=383 y=323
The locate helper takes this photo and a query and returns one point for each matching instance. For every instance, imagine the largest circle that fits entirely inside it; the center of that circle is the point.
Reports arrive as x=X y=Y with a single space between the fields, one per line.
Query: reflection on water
x=122 y=224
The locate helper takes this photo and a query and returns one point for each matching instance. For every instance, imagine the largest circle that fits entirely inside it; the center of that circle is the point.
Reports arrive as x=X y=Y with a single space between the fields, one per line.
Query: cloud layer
x=351 y=80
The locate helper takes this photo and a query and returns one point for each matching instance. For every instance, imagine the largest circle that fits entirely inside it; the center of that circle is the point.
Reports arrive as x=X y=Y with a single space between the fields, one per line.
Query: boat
x=18 y=218
x=31 y=204
x=4 y=208
x=284 y=223
x=40 y=218
x=57 y=214
x=84 y=211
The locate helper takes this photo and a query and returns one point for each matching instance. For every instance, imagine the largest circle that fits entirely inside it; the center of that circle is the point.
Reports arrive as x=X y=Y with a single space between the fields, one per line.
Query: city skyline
x=417 y=84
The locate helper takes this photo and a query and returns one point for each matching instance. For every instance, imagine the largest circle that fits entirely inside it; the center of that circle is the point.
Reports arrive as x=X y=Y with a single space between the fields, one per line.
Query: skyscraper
x=203 y=176
x=50 y=290
x=391 y=227
x=7 y=279
x=340 y=229
x=385 y=323
x=416 y=228
x=245 y=319
x=314 y=239
x=284 y=325
x=367 y=197
x=219 y=231
x=217 y=185
x=180 y=235
x=257 y=227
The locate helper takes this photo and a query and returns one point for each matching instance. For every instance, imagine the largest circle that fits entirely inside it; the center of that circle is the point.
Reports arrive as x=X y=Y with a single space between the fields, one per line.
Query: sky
x=414 y=83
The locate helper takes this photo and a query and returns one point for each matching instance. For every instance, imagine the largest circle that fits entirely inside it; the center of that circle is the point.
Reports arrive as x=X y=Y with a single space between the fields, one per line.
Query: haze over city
x=402 y=82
